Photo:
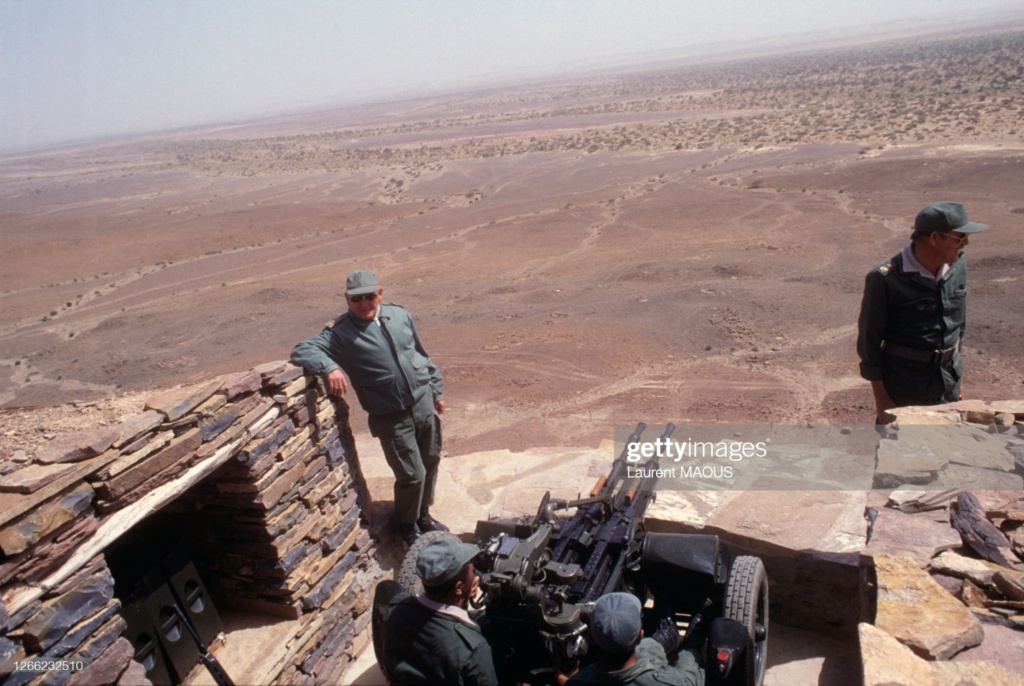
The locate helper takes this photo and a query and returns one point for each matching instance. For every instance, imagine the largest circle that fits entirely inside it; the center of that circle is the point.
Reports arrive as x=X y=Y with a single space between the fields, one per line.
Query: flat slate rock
x=1014 y=407
x=980 y=572
x=965 y=477
x=56 y=616
x=920 y=614
x=176 y=403
x=903 y=462
x=107 y=667
x=242 y=382
x=915 y=536
x=289 y=374
x=924 y=416
x=33 y=477
x=135 y=425
x=963 y=444
x=268 y=369
x=887 y=662
x=77 y=446
x=18 y=536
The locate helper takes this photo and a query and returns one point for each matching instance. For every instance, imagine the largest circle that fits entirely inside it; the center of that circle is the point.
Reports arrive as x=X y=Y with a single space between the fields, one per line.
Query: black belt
x=929 y=356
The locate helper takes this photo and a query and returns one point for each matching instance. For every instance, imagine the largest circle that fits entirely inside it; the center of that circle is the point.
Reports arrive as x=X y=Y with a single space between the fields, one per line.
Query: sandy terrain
x=686 y=243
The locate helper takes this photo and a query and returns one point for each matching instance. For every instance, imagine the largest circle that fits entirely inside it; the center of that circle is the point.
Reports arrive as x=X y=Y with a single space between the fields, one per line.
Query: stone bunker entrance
x=226 y=509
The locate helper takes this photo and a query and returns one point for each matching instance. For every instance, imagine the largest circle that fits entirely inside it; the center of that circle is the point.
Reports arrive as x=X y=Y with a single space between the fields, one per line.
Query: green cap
x=615 y=623
x=945 y=217
x=361 y=281
x=441 y=559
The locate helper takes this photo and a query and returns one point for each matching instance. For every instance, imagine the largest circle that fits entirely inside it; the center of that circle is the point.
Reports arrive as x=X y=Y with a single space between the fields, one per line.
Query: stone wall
x=257 y=468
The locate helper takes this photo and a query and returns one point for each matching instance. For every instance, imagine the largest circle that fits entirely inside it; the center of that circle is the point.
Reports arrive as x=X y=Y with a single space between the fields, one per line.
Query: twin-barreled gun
x=607 y=529
x=544 y=573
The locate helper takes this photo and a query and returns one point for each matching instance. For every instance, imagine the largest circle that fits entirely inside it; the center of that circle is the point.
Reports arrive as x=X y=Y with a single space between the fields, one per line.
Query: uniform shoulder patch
x=470 y=636
x=884 y=269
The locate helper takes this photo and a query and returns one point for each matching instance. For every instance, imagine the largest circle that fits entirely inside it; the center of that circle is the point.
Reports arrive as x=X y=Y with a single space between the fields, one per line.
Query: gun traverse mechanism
x=540 y=577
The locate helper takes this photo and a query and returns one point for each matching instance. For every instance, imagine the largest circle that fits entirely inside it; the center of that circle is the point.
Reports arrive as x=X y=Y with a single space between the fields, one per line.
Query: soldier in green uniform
x=626 y=657
x=431 y=639
x=913 y=314
x=398 y=385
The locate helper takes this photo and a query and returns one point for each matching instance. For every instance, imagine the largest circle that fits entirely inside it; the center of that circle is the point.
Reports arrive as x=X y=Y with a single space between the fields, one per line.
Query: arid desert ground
x=684 y=241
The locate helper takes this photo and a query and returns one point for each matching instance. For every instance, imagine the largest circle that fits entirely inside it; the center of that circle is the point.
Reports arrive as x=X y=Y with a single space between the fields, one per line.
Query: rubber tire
x=746 y=601
x=407 y=572
x=382 y=596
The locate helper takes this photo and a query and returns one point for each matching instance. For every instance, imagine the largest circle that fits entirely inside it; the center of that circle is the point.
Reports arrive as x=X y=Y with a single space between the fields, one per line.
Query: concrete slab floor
x=253 y=644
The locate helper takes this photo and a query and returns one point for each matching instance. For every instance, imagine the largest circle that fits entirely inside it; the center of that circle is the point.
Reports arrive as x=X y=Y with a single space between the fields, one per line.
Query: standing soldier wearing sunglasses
x=913 y=314
x=374 y=348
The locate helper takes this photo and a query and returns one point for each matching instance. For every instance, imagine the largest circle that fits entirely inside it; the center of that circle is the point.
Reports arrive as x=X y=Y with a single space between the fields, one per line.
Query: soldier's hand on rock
x=337 y=383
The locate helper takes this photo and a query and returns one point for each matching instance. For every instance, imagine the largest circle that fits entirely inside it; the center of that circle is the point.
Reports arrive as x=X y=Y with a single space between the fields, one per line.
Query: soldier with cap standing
x=626 y=657
x=431 y=638
x=913 y=314
x=374 y=348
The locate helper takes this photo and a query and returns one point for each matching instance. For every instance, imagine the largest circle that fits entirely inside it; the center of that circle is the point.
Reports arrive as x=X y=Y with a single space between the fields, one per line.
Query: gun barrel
x=614 y=479
x=635 y=436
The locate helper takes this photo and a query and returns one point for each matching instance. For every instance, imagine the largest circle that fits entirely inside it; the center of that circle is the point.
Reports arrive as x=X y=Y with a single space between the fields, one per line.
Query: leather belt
x=929 y=356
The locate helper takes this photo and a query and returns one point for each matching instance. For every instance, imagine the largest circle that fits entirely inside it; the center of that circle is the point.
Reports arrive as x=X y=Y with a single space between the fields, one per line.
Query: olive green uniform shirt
x=431 y=647
x=651 y=669
x=903 y=307
x=384 y=359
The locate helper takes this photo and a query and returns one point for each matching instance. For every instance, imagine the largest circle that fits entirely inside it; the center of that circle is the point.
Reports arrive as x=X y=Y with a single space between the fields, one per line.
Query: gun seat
x=666 y=555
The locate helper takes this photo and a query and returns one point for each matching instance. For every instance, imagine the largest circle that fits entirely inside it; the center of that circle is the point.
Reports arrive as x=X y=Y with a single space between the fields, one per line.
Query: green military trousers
x=412 y=447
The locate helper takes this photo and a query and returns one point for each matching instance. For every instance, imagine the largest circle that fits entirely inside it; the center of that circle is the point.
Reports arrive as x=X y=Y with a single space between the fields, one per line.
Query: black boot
x=427 y=523
x=409 y=533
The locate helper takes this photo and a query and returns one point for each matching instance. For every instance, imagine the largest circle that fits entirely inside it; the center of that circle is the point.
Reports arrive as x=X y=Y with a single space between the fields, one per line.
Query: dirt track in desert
x=685 y=243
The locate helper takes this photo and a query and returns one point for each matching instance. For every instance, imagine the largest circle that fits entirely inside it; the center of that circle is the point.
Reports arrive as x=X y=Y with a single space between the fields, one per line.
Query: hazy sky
x=79 y=68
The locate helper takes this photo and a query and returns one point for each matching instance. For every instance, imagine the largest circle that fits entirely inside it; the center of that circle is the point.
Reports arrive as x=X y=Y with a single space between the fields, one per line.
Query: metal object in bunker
x=171 y=619
x=192 y=595
x=154 y=600
x=142 y=634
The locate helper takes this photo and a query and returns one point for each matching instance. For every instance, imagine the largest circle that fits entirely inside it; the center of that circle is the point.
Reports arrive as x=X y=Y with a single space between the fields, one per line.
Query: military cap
x=441 y=559
x=615 y=623
x=945 y=217
x=361 y=281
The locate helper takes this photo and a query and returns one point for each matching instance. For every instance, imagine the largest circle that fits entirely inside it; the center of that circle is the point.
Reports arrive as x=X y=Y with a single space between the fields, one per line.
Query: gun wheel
x=746 y=601
x=407 y=572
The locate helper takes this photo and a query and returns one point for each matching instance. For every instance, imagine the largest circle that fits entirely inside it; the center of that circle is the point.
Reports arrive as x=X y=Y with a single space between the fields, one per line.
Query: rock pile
x=948 y=562
x=260 y=469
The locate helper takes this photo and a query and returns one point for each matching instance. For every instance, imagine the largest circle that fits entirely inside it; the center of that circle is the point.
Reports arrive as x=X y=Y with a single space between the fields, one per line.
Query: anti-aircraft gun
x=540 y=577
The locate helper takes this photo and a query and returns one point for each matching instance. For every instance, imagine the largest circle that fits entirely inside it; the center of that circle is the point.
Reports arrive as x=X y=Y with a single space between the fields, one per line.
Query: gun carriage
x=540 y=577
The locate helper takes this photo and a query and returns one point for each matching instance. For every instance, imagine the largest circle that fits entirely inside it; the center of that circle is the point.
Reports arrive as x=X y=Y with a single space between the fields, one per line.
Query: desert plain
x=682 y=240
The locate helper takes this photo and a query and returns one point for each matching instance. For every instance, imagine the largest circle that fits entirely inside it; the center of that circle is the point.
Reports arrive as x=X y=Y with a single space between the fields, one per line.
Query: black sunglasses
x=360 y=298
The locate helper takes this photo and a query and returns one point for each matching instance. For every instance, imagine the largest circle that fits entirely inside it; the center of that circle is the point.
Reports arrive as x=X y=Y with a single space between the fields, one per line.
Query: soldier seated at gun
x=431 y=638
x=626 y=657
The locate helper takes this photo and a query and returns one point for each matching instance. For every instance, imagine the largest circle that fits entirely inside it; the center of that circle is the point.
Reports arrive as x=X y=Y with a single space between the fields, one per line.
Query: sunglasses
x=959 y=238
x=360 y=298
